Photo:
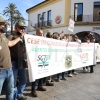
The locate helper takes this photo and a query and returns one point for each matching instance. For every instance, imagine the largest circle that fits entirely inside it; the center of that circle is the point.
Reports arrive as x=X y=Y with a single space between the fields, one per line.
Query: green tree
x=13 y=14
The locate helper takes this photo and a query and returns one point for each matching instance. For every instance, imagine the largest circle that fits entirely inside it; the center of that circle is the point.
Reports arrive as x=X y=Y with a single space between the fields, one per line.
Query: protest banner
x=49 y=56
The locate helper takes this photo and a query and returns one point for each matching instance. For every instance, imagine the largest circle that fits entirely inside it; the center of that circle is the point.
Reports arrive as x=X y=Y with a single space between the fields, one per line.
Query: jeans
x=19 y=73
x=91 y=69
x=69 y=72
x=63 y=75
x=85 y=67
x=7 y=76
x=40 y=83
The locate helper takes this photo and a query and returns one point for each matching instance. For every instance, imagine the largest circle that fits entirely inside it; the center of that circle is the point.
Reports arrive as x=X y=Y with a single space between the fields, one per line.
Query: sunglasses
x=23 y=28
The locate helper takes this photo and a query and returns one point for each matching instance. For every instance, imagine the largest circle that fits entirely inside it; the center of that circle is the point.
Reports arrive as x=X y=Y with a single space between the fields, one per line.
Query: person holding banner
x=39 y=32
x=87 y=38
x=17 y=59
x=49 y=78
x=56 y=36
x=74 y=39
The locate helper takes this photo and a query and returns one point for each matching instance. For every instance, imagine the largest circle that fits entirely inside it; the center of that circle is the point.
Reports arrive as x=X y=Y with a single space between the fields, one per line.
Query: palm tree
x=18 y=17
x=10 y=12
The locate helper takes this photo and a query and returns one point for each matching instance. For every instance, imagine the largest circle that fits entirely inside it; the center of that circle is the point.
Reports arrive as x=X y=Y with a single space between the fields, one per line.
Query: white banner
x=97 y=52
x=49 y=56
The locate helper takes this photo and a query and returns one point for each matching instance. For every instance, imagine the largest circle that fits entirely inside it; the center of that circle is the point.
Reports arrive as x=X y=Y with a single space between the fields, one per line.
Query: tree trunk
x=11 y=24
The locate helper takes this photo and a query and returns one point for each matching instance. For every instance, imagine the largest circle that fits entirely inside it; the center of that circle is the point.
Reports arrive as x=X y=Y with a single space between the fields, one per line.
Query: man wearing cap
x=17 y=59
x=6 y=73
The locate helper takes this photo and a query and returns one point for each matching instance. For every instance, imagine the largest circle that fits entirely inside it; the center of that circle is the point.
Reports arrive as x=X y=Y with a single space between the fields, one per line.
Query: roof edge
x=37 y=5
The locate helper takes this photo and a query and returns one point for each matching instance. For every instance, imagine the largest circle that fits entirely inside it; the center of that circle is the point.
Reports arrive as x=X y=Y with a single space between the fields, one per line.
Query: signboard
x=49 y=56
x=58 y=19
x=71 y=25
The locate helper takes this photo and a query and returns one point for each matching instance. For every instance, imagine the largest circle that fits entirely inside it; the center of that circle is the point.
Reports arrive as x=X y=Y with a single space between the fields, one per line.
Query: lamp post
x=76 y=12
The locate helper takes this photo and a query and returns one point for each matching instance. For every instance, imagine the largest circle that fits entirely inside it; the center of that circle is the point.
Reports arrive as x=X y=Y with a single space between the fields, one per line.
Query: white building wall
x=57 y=9
x=88 y=6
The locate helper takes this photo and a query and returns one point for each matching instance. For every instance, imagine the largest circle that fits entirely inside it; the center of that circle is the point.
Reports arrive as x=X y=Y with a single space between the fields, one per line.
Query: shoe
x=52 y=80
x=88 y=70
x=58 y=80
x=70 y=75
x=41 y=89
x=49 y=84
x=75 y=73
x=34 y=94
x=22 y=98
x=64 y=79
x=85 y=70
x=91 y=71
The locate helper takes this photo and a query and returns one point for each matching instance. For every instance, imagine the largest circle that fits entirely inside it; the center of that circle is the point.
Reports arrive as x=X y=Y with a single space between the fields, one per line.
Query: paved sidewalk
x=84 y=86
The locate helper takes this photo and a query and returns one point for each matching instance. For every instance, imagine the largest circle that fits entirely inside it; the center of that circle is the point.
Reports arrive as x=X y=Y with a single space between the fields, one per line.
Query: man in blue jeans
x=6 y=73
x=17 y=58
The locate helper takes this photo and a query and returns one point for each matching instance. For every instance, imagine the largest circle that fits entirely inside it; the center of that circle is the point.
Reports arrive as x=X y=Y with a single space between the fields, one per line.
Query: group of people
x=13 y=63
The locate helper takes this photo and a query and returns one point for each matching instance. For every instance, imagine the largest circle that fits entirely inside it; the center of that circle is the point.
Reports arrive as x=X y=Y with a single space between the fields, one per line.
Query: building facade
x=50 y=15
x=53 y=15
x=86 y=14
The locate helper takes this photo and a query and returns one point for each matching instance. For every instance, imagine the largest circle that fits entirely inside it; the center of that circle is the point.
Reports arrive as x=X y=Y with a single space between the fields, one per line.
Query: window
x=44 y=16
x=44 y=19
x=78 y=11
x=96 y=12
x=49 y=18
x=39 y=20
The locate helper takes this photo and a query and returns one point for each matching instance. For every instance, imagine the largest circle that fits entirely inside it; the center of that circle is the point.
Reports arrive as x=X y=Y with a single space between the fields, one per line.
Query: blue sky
x=22 y=5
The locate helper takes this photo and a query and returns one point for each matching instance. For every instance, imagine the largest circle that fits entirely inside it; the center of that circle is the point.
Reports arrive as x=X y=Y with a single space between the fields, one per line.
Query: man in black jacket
x=17 y=58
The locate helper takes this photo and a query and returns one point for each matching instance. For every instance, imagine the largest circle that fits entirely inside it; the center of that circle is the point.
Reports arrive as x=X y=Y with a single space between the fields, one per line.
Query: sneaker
x=75 y=73
x=85 y=70
x=34 y=94
x=22 y=98
x=64 y=79
x=41 y=89
x=49 y=84
x=70 y=75
x=58 y=80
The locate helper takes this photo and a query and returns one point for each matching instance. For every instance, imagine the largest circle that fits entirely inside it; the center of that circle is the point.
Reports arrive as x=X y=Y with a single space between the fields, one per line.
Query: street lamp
x=76 y=11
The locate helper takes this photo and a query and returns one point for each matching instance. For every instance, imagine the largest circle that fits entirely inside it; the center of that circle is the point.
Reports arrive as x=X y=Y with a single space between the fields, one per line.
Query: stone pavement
x=84 y=86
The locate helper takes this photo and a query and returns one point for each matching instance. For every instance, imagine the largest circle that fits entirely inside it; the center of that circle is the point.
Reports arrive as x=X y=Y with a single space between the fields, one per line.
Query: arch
x=82 y=33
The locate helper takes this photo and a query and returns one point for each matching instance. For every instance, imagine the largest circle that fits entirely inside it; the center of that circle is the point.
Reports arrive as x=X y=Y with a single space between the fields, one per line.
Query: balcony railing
x=43 y=24
x=86 y=18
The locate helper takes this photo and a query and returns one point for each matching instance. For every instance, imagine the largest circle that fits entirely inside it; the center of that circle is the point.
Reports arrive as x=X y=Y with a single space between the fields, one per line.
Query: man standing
x=17 y=59
x=39 y=32
x=6 y=73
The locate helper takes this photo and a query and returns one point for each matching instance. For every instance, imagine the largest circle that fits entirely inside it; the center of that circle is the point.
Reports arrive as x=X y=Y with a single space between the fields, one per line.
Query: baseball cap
x=20 y=23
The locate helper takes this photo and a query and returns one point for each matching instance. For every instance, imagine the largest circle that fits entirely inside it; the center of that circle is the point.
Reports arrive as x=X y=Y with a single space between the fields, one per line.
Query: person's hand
x=22 y=34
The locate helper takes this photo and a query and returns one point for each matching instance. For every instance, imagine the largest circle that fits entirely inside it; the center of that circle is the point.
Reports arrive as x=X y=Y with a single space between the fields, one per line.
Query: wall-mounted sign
x=58 y=19
x=71 y=25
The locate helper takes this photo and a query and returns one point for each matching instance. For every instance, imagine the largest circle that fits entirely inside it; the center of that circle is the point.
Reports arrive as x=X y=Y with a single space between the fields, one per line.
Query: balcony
x=86 y=19
x=43 y=24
